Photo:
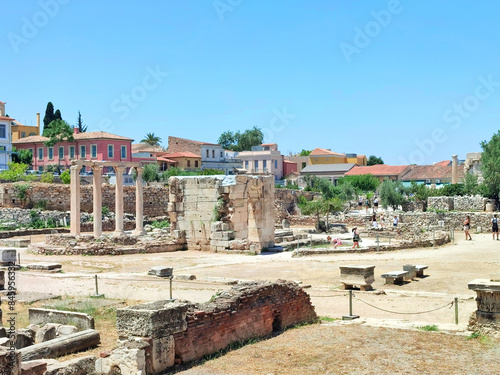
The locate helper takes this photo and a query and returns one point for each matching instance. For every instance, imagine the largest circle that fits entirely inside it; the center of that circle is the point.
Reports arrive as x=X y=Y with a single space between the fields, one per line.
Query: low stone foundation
x=158 y=334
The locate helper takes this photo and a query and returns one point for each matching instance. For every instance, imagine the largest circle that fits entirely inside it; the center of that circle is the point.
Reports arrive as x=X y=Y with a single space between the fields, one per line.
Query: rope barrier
x=336 y=295
x=406 y=313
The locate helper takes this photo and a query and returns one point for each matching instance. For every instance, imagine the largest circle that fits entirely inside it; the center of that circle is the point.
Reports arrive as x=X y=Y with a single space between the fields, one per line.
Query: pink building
x=289 y=167
x=97 y=146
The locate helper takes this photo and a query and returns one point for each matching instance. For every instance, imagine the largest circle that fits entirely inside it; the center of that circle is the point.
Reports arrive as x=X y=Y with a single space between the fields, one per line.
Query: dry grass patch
x=358 y=349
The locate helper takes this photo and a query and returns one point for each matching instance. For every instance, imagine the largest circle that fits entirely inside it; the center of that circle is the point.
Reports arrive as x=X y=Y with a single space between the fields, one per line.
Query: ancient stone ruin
x=155 y=336
x=487 y=315
x=221 y=213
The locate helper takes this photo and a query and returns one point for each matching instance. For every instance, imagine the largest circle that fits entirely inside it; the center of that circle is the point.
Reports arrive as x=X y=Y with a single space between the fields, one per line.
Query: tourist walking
x=355 y=238
x=367 y=204
x=360 y=203
x=382 y=221
x=395 y=222
x=375 y=205
x=467 y=228
x=494 y=224
x=374 y=221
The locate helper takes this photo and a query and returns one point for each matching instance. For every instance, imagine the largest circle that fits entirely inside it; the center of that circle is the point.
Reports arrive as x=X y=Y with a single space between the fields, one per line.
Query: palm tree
x=152 y=139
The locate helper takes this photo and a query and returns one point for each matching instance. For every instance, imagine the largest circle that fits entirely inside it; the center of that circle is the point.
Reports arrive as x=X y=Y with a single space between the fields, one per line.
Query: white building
x=214 y=157
x=5 y=137
x=263 y=159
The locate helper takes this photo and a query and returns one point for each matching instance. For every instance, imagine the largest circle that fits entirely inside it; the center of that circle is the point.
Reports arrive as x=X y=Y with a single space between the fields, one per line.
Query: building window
x=3 y=133
x=110 y=151
x=83 y=152
x=93 y=151
x=304 y=164
x=221 y=154
x=32 y=134
x=256 y=164
x=2 y=148
x=40 y=153
x=213 y=154
x=51 y=153
x=23 y=134
x=71 y=152
x=208 y=155
x=189 y=163
x=124 y=152
x=246 y=164
x=276 y=164
x=264 y=164
x=61 y=153
x=196 y=163
x=31 y=150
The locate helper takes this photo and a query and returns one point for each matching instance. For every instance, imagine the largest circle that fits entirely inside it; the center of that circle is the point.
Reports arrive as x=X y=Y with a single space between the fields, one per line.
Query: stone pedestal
x=488 y=300
x=357 y=275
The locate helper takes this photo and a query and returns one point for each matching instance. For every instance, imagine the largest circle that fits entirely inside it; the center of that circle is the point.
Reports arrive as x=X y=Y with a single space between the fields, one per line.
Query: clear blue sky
x=410 y=81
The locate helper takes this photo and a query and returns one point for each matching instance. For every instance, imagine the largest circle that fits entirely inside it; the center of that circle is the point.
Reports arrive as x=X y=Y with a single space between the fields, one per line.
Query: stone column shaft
x=97 y=171
x=454 y=169
x=119 y=201
x=139 y=215
x=75 y=200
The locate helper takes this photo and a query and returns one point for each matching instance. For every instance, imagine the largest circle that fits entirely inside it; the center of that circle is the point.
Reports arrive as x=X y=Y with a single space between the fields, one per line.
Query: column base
x=139 y=232
x=118 y=233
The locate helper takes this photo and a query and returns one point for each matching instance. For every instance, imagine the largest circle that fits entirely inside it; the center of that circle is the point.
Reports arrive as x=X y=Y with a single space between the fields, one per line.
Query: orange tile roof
x=269 y=144
x=6 y=118
x=321 y=151
x=161 y=158
x=181 y=155
x=377 y=170
x=197 y=142
x=424 y=172
x=444 y=163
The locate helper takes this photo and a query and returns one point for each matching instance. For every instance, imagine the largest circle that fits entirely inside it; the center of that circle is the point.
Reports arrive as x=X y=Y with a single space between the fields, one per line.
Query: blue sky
x=410 y=81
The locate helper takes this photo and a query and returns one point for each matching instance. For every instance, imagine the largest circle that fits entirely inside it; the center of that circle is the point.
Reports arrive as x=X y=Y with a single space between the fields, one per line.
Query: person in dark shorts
x=375 y=205
x=360 y=203
x=467 y=228
x=355 y=238
x=494 y=224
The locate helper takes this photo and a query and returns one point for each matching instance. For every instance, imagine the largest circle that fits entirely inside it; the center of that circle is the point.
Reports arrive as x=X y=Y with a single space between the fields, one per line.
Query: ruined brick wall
x=285 y=203
x=244 y=312
x=58 y=197
x=183 y=145
x=458 y=203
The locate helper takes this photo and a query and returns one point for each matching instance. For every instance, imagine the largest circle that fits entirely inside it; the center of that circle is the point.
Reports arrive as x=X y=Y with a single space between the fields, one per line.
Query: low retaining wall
x=43 y=316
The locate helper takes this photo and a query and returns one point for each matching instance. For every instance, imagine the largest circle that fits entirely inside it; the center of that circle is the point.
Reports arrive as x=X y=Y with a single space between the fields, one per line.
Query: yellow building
x=184 y=160
x=324 y=156
x=19 y=130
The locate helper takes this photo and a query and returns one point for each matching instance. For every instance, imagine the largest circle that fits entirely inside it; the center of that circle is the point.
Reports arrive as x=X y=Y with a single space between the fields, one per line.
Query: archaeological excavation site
x=158 y=279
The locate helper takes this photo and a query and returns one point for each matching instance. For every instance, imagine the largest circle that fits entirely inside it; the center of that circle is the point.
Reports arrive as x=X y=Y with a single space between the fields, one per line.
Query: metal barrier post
x=350 y=316
x=378 y=242
x=97 y=295
x=456 y=310
x=170 y=287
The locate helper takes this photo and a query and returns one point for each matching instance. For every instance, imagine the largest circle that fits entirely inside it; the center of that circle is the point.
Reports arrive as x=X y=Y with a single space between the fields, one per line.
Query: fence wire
x=449 y=305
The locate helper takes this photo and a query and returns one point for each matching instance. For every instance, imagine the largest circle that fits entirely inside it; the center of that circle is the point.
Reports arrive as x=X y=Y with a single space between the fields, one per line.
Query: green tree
x=314 y=207
x=392 y=193
x=79 y=124
x=373 y=160
x=59 y=131
x=65 y=177
x=47 y=177
x=49 y=116
x=362 y=182
x=151 y=173
x=22 y=156
x=490 y=165
x=57 y=115
x=16 y=172
x=305 y=152
x=241 y=141
x=151 y=139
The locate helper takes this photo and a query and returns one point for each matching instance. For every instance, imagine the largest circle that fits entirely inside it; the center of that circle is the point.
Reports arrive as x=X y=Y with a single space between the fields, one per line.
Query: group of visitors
x=494 y=228
x=368 y=204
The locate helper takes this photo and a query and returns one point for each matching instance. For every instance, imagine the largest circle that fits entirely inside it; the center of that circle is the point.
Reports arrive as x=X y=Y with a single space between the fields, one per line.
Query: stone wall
x=219 y=213
x=285 y=203
x=156 y=335
x=183 y=145
x=457 y=203
x=58 y=197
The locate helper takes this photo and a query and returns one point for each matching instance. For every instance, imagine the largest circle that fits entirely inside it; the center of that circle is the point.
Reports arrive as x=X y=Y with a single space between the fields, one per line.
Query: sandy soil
x=451 y=267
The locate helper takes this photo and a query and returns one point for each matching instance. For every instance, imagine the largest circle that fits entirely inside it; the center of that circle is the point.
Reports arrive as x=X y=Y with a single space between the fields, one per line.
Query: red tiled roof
x=145 y=147
x=444 y=163
x=321 y=151
x=180 y=155
x=197 y=142
x=6 y=118
x=269 y=144
x=77 y=137
x=378 y=170
x=161 y=158
x=424 y=172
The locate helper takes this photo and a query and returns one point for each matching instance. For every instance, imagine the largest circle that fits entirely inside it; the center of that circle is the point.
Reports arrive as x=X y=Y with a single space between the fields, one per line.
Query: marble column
x=75 y=200
x=488 y=300
x=139 y=215
x=97 y=171
x=454 y=169
x=119 y=202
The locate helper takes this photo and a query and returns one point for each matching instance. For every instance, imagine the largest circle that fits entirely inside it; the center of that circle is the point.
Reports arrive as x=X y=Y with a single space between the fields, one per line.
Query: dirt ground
x=451 y=267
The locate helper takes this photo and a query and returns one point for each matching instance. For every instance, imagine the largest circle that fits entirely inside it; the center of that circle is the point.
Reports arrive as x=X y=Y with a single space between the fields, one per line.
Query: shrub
x=105 y=210
x=47 y=177
x=160 y=224
x=65 y=177
x=22 y=193
x=41 y=204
